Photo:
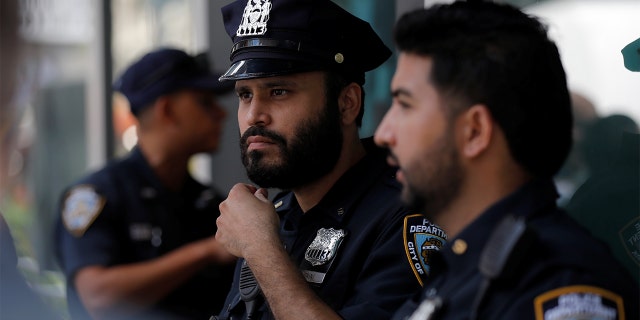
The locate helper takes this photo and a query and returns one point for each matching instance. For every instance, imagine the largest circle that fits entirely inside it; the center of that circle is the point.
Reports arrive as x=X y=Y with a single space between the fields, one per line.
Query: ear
x=477 y=128
x=349 y=102
x=162 y=110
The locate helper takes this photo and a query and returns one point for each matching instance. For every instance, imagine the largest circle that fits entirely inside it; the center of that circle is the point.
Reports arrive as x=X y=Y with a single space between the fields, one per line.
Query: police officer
x=338 y=244
x=479 y=124
x=135 y=239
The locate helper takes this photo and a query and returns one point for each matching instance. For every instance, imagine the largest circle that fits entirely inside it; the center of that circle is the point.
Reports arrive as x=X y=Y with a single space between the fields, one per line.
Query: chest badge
x=324 y=246
x=254 y=18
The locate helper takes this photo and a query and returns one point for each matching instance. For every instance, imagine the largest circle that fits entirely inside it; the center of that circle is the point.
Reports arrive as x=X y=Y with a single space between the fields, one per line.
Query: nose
x=383 y=136
x=255 y=113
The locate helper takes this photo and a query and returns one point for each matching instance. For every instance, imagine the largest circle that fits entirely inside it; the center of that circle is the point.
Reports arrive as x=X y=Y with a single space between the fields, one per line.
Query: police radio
x=249 y=289
x=507 y=245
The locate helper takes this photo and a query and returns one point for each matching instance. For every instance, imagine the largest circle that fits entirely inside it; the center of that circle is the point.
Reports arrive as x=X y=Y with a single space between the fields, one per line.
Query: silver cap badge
x=254 y=18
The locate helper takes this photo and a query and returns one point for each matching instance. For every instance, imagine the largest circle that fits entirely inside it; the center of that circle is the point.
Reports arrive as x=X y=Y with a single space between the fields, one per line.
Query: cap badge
x=254 y=18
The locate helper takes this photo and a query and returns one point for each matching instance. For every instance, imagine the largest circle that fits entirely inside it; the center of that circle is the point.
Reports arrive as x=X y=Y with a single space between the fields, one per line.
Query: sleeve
x=388 y=277
x=572 y=302
x=568 y=292
x=86 y=231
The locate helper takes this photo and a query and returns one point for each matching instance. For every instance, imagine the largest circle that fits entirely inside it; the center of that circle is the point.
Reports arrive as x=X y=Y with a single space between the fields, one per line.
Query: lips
x=391 y=160
x=258 y=139
x=258 y=142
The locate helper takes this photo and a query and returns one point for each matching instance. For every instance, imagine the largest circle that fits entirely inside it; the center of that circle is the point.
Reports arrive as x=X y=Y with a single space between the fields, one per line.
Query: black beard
x=440 y=180
x=310 y=154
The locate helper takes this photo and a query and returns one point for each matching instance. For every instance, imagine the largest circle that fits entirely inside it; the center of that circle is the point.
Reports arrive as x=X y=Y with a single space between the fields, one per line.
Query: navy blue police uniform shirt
x=122 y=214
x=356 y=248
x=563 y=273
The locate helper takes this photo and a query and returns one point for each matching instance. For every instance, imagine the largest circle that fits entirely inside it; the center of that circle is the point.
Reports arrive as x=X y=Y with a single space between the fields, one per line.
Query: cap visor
x=262 y=68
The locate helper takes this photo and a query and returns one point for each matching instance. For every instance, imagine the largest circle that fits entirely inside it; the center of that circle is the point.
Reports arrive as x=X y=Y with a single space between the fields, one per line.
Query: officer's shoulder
x=81 y=206
x=583 y=301
x=566 y=240
x=106 y=176
x=84 y=200
x=575 y=261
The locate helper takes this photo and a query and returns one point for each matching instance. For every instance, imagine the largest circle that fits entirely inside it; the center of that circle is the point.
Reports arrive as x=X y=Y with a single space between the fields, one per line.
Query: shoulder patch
x=421 y=239
x=81 y=207
x=579 y=302
x=630 y=239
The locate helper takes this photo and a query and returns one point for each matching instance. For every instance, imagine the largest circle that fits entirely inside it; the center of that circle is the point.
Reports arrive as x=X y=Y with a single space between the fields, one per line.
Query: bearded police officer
x=339 y=244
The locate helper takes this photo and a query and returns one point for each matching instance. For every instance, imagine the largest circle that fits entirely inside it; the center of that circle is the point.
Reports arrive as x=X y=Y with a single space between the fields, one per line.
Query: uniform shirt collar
x=151 y=185
x=527 y=201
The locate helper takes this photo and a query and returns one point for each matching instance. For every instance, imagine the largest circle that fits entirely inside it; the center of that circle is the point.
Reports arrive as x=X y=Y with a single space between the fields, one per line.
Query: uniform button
x=148 y=193
x=156 y=237
x=340 y=211
x=459 y=247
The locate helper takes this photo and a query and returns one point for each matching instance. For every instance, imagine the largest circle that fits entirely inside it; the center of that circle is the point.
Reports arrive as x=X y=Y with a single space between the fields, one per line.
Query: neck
x=477 y=194
x=308 y=196
x=169 y=167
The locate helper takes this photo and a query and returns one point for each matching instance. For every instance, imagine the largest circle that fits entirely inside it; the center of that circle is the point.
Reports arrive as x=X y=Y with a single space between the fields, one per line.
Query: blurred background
x=65 y=121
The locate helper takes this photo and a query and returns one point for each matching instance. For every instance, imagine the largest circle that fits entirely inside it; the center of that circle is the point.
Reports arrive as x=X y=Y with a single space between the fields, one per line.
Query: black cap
x=166 y=70
x=280 y=37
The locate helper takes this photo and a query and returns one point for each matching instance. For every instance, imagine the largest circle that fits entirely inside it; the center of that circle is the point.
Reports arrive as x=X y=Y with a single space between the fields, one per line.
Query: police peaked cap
x=167 y=70
x=278 y=37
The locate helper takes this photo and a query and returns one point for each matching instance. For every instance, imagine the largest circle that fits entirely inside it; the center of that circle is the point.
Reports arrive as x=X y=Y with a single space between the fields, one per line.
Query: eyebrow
x=400 y=92
x=269 y=83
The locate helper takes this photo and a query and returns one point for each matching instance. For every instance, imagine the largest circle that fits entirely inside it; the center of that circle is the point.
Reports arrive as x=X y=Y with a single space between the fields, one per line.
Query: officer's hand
x=219 y=253
x=248 y=223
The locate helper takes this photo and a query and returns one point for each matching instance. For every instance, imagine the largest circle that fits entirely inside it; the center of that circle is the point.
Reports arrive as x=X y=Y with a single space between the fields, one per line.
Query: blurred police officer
x=480 y=123
x=333 y=246
x=137 y=238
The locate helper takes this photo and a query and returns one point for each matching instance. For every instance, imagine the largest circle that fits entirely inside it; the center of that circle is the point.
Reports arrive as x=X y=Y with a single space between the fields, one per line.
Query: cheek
x=415 y=137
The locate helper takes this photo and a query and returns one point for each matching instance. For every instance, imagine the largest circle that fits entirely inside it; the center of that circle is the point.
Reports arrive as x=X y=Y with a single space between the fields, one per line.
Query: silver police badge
x=324 y=246
x=254 y=18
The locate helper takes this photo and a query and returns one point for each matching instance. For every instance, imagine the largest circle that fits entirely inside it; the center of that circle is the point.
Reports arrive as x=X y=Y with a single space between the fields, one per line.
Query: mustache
x=263 y=132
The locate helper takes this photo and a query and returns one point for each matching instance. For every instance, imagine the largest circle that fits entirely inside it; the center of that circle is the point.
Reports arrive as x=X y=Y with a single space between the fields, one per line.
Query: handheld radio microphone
x=249 y=289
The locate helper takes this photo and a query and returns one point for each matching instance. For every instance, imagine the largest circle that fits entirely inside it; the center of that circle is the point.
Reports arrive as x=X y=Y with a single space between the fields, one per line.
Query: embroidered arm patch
x=579 y=302
x=82 y=206
x=421 y=239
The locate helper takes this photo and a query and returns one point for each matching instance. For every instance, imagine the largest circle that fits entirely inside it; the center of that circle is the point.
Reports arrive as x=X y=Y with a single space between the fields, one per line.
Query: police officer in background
x=479 y=124
x=338 y=243
x=136 y=239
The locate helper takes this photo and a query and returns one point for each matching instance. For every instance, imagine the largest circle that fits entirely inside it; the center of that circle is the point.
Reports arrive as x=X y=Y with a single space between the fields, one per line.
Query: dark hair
x=334 y=82
x=494 y=54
